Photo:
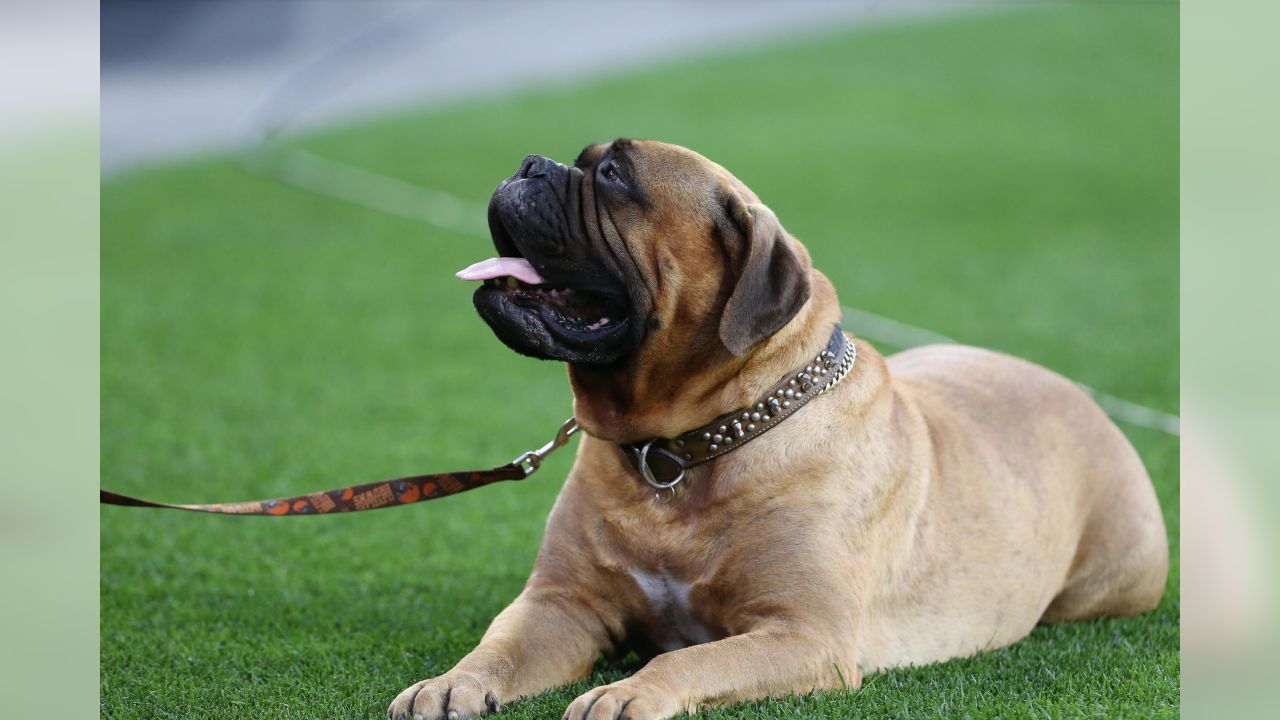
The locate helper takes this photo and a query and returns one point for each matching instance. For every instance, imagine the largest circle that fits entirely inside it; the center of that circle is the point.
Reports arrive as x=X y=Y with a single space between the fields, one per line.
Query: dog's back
x=1038 y=510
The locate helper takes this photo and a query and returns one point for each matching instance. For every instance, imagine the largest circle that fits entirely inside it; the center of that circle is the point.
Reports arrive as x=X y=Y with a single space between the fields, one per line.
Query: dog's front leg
x=785 y=659
x=541 y=640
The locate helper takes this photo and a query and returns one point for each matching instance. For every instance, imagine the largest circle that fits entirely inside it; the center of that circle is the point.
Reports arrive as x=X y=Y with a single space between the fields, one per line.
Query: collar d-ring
x=666 y=490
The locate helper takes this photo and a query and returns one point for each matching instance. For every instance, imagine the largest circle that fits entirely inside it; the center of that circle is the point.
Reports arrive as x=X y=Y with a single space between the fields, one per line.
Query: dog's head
x=642 y=262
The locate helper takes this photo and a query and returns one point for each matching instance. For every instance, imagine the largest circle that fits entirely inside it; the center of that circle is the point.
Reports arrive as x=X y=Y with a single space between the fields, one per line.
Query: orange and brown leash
x=374 y=495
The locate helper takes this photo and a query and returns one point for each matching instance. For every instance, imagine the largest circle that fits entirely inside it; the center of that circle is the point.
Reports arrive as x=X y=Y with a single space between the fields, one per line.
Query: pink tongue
x=518 y=268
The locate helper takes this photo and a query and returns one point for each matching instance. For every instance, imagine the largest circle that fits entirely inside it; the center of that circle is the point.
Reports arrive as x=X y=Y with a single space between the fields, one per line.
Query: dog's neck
x=664 y=401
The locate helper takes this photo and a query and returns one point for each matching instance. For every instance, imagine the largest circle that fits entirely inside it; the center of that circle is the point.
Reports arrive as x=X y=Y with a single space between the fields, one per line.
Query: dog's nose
x=536 y=166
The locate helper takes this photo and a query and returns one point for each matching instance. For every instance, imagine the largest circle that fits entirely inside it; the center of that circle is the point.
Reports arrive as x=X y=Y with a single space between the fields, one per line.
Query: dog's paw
x=452 y=696
x=622 y=701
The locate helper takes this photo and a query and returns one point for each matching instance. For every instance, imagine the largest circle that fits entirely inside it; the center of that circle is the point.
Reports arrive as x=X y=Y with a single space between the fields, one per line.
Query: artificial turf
x=1005 y=178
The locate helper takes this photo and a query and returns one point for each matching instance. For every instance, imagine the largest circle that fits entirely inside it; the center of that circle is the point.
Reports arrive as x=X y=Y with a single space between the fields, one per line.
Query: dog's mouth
x=579 y=316
x=546 y=318
x=549 y=294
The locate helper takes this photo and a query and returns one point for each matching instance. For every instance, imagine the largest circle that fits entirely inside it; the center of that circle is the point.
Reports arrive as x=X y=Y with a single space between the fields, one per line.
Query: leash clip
x=532 y=460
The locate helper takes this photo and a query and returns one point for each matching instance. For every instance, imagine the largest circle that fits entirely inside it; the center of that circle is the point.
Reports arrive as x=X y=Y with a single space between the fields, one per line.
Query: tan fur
x=933 y=505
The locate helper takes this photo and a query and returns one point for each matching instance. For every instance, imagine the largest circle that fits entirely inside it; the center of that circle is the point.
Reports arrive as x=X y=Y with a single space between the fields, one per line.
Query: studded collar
x=662 y=462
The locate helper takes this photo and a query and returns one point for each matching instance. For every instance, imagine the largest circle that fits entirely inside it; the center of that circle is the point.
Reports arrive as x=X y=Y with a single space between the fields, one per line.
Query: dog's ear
x=772 y=282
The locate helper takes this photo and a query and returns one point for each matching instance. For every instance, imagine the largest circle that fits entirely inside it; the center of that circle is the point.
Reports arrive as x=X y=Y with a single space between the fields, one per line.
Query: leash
x=701 y=445
x=374 y=495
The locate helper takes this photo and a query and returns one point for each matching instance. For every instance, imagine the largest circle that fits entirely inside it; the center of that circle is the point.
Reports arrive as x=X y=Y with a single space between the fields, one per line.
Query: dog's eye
x=610 y=172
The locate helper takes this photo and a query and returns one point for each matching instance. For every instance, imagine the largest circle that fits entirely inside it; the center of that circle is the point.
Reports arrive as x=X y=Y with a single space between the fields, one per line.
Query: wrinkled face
x=636 y=243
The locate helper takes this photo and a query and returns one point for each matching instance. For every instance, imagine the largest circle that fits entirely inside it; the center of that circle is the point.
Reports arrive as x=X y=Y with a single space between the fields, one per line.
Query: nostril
x=533 y=166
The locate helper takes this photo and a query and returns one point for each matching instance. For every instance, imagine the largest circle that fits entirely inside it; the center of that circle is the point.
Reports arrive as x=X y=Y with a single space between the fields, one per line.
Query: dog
x=849 y=513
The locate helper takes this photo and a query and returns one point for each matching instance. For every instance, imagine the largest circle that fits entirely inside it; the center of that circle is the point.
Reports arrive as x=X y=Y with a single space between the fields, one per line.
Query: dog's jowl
x=762 y=502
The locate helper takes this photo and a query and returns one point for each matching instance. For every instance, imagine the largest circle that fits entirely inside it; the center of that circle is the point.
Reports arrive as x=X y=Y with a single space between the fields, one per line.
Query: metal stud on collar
x=839 y=371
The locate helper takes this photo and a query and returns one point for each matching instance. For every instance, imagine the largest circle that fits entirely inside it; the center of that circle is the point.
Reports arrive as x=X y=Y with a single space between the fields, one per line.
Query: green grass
x=1007 y=179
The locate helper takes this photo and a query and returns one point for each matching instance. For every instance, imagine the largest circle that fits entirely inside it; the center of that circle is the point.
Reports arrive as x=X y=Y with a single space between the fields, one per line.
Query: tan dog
x=927 y=507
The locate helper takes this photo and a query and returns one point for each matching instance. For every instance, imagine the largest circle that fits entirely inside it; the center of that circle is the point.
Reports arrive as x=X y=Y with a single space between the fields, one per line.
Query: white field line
x=903 y=336
x=373 y=190
x=376 y=191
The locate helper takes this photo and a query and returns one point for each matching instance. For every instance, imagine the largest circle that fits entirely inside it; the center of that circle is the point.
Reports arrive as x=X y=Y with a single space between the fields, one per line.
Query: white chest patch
x=669 y=599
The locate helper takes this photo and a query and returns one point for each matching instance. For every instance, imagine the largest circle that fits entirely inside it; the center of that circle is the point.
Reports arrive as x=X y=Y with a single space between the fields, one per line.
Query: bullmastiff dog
x=762 y=502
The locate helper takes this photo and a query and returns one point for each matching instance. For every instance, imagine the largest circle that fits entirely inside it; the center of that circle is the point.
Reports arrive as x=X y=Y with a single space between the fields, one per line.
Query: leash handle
x=370 y=496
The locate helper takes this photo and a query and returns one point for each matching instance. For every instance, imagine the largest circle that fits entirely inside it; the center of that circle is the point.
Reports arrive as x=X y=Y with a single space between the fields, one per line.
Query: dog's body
x=927 y=507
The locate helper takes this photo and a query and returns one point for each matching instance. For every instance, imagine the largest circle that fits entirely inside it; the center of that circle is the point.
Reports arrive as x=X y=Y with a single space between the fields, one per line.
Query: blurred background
x=289 y=186
x=195 y=75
